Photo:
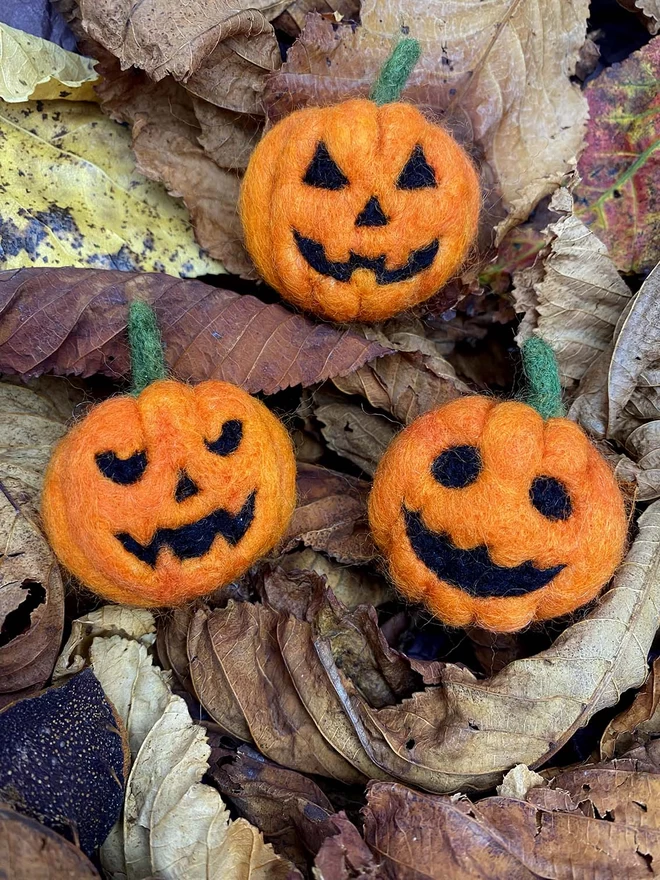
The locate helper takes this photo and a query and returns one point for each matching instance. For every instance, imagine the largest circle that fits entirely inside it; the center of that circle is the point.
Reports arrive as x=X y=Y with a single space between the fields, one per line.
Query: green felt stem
x=542 y=374
x=395 y=72
x=147 y=361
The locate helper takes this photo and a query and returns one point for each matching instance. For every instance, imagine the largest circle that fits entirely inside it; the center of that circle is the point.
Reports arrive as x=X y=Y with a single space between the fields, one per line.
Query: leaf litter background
x=304 y=721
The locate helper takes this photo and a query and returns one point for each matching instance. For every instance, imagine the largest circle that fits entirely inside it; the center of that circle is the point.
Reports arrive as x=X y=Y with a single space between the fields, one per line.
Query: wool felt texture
x=359 y=210
x=542 y=373
x=156 y=499
x=147 y=361
x=395 y=72
x=495 y=517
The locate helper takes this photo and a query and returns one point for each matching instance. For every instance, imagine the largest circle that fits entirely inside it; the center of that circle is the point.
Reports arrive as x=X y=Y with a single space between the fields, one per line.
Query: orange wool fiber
x=515 y=448
x=183 y=484
x=370 y=146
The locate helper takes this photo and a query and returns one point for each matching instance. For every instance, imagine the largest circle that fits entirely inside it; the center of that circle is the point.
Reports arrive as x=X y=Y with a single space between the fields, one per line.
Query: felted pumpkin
x=360 y=210
x=166 y=495
x=495 y=513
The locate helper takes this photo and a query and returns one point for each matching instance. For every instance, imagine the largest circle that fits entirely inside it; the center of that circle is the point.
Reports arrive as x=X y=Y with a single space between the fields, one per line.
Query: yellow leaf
x=70 y=195
x=34 y=68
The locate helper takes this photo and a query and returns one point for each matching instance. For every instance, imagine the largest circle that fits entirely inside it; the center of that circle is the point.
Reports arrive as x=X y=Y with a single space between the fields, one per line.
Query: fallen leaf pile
x=305 y=721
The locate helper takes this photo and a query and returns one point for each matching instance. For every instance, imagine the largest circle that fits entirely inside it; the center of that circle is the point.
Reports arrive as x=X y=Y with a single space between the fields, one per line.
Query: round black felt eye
x=122 y=470
x=457 y=467
x=229 y=440
x=551 y=498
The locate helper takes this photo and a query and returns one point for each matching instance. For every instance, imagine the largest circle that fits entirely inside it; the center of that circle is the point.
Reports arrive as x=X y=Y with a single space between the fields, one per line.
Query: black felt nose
x=185 y=488
x=372 y=214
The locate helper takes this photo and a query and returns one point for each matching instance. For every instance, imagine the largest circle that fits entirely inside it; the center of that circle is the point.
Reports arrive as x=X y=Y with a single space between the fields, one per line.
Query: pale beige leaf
x=176 y=828
x=32 y=420
x=647 y=10
x=619 y=397
x=359 y=436
x=518 y=781
x=137 y=689
x=575 y=300
x=110 y=620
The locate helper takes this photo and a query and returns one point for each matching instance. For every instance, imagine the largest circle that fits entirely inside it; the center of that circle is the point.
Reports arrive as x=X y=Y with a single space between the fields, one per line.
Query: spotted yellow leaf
x=70 y=195
x=38 y=69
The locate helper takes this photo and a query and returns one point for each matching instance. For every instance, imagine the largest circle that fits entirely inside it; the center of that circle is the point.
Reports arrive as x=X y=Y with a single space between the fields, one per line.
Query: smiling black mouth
x=473 y=571
x=194 y=539
x=314 y=253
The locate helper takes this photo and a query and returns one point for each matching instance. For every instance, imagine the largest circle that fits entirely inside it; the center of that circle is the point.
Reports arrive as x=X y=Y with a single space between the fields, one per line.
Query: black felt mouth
x=194 y=539
x=473 y=571
x=314 y=253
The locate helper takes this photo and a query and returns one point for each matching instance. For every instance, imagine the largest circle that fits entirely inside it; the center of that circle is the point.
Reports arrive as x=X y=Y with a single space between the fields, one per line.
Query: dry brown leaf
x=161 y=37
x=345 y=855
x=405 y=384
x=619 y=397
x=292 y=20
x=74 y=321
x=351 y=585
x=573 y=298
x=361 y=437
x=491 y=67
x=331 y=515
x=243 y=638
x=32 y=420
x=289 y=809
x=31 y=850
x=417 y=835
x=647 y=10
x=636 y=724
x=31 y=604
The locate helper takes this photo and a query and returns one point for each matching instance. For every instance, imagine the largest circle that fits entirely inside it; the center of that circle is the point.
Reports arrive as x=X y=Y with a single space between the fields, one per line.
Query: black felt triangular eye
x=417 y=173
x=323 y=172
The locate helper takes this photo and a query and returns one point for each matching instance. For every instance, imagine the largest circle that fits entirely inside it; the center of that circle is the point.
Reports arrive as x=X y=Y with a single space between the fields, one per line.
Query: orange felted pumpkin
x=158 y=498
x=495 y=514
x=358 y=211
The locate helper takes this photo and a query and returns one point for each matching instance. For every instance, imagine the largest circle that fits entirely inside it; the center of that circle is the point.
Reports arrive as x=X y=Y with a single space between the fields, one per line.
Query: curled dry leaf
x=638 y=723
x=351 y=585
x=452 y=839
x=32 y=68
x=345 y=855
x=492 y=74
x=288 y=808
x=110 y=620
x=458 y=734
x=74 y=321
x=619 y=396
x=32 y=850
x=31 y=604
x=176 y=827
x=573 y=298
x=32 y=420
x=617 y=197
x=331 y=515
x=360 y=436
x=71 y=196
x=195 y=43
x=243 y=638
x=64 y=761
x=405 y=384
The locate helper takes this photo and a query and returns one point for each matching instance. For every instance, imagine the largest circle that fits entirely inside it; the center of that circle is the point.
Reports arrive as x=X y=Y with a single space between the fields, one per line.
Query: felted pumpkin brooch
x=160 y=496
x=360 y=210
x=497 y=514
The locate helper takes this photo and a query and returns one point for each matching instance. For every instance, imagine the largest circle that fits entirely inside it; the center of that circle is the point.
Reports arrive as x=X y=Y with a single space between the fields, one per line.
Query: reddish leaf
x=618 y=196
x=73 y=321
